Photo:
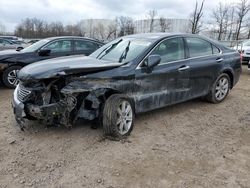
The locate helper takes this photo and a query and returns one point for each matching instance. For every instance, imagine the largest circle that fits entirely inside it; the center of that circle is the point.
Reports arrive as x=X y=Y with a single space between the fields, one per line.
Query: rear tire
x=10 y=77
x=220 y=89
x=118 y=117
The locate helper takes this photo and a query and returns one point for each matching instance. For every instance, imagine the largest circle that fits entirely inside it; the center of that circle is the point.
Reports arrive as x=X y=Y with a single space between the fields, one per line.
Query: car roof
x=72 y=37
x=154 y=37
x=159 y=36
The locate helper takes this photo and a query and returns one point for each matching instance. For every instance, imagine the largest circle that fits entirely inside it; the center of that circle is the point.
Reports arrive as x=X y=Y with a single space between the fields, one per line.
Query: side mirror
x=153 y=60
x=44 y=52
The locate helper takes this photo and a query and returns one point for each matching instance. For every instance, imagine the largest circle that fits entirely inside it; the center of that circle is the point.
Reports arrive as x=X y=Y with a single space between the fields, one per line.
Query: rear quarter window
x=215 y=50
x=198 y=47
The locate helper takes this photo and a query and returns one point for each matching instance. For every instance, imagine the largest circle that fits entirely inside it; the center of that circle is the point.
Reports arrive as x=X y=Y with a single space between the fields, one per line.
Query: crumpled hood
x=57 y=67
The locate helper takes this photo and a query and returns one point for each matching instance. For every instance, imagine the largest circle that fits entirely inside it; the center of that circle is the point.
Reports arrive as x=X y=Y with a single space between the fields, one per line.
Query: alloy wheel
x=221 y=88
x=124 y=117
x=12 y=77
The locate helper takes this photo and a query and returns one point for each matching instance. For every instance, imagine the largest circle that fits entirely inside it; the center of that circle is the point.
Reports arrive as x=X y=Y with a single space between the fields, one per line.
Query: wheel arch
x=229 y=72
x=110 y=91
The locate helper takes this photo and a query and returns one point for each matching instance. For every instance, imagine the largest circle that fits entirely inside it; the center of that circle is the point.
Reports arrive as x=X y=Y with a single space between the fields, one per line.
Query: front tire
x=220 y=89
x=10 y=77
x=118 y=117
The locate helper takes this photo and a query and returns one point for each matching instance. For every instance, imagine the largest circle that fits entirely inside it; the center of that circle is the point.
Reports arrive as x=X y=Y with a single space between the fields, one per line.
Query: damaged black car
x=130 y=75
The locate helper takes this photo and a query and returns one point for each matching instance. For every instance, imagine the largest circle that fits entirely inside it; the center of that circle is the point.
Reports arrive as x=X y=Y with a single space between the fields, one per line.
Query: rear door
x=166 y=83
x=85 y=47
x=205 y=61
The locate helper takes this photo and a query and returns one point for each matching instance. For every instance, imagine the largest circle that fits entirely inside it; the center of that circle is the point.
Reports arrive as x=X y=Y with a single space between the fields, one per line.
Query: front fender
x=91 y=86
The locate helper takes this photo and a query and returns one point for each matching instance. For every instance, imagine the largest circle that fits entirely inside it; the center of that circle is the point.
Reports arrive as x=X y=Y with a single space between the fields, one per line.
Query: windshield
x=121 y=50
x=36 y=46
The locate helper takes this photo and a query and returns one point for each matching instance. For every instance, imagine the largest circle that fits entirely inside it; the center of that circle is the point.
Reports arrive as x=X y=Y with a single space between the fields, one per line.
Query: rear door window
x=198 y=47
x=84 y=45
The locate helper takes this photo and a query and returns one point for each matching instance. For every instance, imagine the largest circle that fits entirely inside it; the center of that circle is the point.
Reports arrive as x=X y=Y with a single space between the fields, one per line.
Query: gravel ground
x=193 y=144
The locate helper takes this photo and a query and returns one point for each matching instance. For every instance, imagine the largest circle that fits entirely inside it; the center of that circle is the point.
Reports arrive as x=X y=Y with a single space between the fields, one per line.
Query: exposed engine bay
x=53 y=104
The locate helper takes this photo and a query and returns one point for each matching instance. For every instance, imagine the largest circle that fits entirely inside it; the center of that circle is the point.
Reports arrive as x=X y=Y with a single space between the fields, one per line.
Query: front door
x=168 y=82
x=58 y=48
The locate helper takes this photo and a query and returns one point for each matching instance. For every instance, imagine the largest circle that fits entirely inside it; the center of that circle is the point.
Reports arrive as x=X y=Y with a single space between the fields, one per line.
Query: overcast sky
x=71 y=11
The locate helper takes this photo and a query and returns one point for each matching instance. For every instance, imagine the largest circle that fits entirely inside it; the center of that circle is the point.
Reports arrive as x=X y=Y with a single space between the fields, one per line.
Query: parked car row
x=244 y=49
x=12 y=61
x=127 y=76
x=6 y=44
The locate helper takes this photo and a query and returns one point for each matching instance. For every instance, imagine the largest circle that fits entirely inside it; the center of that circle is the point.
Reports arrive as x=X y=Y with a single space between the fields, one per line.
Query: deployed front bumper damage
x=73 y=105
x=18 y=108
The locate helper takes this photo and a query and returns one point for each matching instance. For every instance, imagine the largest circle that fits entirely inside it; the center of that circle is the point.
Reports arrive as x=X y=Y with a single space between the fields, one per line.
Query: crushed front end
x=43 y=101
x=55 y=102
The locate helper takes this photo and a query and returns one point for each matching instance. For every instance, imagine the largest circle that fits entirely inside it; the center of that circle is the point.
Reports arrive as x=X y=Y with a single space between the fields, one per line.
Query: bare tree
x=231 y=23
x=241 y=10
x=221 y=17
x=151 y=16
x=81 y=29
x=56 y=29
x=111 y=31
x=126 y=25
x=195 y=19
x=90 y=28
x=248 y=27
x=73 y=30
x=100 y=31
x=39 y=27
x=2 y=29
x=165 y=24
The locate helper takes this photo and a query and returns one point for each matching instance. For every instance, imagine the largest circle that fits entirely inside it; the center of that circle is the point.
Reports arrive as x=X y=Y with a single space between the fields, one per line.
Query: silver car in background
x=6 y=44
x=244 y=49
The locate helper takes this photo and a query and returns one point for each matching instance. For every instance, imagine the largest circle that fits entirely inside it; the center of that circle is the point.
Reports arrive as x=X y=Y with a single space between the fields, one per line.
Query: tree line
x=37 y=28
x=226 y=22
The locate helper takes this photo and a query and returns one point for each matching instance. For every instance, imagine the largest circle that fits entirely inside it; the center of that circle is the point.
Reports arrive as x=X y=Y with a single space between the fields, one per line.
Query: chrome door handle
x=183 y=68
x=219 y=59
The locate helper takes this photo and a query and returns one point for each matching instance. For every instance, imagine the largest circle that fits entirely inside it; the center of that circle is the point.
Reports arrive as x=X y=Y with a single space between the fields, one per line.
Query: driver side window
x=59 y=46
x=170 y=50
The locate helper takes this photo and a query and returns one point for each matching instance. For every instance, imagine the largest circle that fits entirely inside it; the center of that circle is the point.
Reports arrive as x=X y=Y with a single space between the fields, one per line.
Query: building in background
x=107 y=29
x=171 y=25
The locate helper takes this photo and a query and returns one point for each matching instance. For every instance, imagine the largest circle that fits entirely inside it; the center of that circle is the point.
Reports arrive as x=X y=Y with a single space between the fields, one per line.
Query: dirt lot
x=194 y=144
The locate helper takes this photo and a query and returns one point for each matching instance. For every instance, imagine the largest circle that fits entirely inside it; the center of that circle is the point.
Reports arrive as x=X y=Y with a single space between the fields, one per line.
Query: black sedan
x=127 y=76
x=12 y=61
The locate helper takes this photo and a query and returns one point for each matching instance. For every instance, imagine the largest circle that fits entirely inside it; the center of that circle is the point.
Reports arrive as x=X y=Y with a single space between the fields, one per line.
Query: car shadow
x=87 y=126
x=1 y=85
x=81 y=126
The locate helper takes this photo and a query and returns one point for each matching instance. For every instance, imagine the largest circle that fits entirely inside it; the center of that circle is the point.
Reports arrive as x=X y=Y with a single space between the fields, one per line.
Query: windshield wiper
x=108 y=49
x=124 y=53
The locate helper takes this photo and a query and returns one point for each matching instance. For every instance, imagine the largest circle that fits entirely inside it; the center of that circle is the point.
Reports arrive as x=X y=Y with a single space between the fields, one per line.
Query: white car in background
x=244 y=49
x=6 y=44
